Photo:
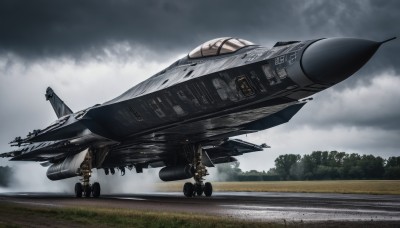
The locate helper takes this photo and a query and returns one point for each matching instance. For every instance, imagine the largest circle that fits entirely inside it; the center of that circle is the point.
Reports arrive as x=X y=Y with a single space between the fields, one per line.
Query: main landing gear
x=190 y=189
x=87 y=190
x=84 y=188
x=199 y=171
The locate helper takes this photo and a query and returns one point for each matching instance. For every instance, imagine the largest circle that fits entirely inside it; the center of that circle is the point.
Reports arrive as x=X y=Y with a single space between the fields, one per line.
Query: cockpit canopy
x=219 y=46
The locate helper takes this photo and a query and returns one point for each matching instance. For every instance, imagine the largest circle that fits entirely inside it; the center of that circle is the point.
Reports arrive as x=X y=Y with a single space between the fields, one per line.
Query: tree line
x=320 y=165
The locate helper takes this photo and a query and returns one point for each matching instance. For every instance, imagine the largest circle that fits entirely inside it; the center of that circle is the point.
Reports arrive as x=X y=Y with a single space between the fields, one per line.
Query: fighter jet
x=183 y=118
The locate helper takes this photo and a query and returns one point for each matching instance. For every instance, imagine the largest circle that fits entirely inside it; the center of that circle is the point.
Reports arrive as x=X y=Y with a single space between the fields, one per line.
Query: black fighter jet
x=182 y=118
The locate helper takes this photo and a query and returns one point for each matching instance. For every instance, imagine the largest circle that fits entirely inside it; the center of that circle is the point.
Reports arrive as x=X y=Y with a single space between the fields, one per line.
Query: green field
x=338 y=186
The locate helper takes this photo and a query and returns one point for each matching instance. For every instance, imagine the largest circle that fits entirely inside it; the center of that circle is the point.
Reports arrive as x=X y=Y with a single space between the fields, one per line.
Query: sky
x=92 y=51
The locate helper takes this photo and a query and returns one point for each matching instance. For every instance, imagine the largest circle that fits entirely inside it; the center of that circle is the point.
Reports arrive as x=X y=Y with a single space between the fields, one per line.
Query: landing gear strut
x=199 y=171
x=84 y=188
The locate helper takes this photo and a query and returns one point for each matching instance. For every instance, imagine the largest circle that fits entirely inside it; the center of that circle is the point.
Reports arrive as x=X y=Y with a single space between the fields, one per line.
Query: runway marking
x=309 y=209
x=311 y=214
x=33 y=203
x=127 y=198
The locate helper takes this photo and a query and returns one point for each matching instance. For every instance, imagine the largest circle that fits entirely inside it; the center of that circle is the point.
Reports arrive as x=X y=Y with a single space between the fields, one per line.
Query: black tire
x=208 y=189
x=78 y=190
x=188 y=189
x=199 y=189
x=88 y=191
x=96 y=190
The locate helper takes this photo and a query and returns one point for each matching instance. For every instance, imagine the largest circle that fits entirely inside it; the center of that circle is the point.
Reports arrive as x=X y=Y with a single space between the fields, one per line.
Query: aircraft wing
x=43 y=151
x=155 y=146
x=156 y=155
x=158 y=146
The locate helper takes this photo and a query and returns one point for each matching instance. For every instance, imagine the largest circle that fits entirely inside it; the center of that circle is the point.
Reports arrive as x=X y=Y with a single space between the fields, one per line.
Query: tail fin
x=59 y=107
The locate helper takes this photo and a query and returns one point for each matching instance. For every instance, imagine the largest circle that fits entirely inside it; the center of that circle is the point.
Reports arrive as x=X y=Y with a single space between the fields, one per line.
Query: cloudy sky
x=92 y=51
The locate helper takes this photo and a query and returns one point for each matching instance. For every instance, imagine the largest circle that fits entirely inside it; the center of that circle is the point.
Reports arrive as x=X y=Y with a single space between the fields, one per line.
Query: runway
x=305 y=207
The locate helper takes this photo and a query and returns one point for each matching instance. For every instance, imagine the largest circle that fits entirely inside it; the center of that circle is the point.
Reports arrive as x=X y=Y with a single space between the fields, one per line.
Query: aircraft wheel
x=78 y=190
x=188 y=189
x=208 y=189
x=96 y=190
x=88 y=191
x=199 y=189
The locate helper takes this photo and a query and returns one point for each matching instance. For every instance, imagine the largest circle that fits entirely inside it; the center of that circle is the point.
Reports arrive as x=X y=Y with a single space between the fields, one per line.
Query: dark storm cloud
x=44 y=28
x=72 y=28
x=375 y=20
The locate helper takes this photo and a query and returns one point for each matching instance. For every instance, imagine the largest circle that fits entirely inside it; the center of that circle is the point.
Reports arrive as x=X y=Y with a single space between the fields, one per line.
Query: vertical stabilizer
x=59 y=107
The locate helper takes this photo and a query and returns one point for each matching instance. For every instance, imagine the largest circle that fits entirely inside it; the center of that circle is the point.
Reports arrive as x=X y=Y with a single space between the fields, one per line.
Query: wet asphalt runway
x=306 y=207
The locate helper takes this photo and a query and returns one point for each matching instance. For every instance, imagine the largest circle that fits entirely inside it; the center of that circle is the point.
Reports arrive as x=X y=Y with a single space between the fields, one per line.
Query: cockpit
x=219 y=46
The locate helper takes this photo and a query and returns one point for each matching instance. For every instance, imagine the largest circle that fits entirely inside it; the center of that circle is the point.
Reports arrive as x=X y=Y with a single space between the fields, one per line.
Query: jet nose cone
x=330 y=61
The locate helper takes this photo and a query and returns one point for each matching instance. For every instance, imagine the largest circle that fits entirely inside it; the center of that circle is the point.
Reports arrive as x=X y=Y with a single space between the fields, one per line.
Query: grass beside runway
x=20 y=215
x=377 y=187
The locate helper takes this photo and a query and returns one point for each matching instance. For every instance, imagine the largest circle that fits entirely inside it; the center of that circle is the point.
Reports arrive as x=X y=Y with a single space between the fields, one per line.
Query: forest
x=320 y=165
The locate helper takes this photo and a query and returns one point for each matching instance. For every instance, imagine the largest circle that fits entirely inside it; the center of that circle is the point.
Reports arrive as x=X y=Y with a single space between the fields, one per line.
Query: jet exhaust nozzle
x=332 y=60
